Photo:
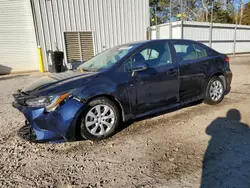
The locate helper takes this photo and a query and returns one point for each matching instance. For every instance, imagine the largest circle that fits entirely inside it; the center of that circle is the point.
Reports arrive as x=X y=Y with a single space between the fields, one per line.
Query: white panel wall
x=243 y=34
x=243 y=47
x=222 y=35
x=18 y=50
x=112 y=22
x=196 y=33
x=176 y=32
x=153 y=34
x=164 y=31
x=223 y=47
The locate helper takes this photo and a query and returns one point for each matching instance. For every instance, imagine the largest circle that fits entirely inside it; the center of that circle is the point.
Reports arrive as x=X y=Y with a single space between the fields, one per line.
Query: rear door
x=193 y=66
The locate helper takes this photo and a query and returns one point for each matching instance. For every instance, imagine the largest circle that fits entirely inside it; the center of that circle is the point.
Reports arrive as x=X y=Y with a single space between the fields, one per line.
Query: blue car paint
x=134 y=98
x=65 y=84
x=56 y=125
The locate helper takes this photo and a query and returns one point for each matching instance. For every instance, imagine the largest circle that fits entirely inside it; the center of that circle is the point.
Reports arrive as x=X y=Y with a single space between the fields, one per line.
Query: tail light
x=227 y=59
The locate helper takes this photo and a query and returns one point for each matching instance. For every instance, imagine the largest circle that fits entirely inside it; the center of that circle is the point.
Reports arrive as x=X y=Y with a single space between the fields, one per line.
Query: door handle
x=172 y=71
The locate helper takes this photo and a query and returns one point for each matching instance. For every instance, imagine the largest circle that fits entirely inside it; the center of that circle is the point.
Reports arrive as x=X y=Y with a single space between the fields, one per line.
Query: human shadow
x=226 y=162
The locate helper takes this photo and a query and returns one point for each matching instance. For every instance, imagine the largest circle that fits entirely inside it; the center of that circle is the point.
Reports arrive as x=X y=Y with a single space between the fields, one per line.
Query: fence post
x=235 y=31
x=182 y=30
x=149 y=33
x=211 y=27
x=210 y=34
x=170 y=30
x=157 y=31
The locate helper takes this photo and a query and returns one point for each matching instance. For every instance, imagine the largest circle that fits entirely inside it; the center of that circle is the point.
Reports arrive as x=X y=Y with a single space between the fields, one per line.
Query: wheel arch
x=76 y=123
x=112 y=98
x=221 y=76
x=207 y=97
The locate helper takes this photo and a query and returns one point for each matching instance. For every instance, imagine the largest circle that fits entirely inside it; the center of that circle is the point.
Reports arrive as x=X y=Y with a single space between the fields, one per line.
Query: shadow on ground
x=24 y=132
x=226 y=162
x=13 y=76
x=128 y=123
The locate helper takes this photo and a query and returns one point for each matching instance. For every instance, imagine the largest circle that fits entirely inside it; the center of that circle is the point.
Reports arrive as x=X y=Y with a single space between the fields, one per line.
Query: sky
x=245 y=2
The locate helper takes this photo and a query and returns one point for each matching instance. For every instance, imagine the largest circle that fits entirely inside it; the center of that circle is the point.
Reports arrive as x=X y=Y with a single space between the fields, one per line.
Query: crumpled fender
x=56 y=125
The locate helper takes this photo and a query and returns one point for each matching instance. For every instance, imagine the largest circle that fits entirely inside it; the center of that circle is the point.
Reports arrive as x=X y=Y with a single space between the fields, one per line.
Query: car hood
x=59 y=82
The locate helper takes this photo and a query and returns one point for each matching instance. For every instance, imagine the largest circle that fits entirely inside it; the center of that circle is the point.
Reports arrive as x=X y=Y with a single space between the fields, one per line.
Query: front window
x=108 y=58
x=154 y=55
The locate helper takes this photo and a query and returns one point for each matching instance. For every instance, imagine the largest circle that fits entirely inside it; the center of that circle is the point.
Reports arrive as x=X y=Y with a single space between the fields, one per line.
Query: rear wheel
x=215 y=91
x=100 y=120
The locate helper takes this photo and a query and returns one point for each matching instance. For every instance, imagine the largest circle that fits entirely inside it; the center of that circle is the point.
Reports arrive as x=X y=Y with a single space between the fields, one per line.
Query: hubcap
x=216 y=90
x=99 y=120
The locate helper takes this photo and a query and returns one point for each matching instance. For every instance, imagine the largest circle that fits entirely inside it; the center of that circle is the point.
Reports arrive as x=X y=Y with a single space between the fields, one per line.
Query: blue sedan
x=120 y=84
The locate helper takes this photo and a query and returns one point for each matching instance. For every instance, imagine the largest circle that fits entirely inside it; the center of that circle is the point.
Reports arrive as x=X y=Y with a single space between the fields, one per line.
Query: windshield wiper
x=85 y=70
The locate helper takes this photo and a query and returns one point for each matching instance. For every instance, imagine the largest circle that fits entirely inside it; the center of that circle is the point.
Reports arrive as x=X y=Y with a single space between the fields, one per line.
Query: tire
x=216 y=95
x=100 y=120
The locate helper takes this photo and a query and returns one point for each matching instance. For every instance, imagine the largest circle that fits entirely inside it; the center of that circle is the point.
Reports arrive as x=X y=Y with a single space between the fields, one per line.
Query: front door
x=158 y=85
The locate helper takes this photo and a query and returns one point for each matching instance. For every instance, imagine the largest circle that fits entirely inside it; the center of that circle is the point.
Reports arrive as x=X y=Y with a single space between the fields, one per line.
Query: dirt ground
x=197 y=146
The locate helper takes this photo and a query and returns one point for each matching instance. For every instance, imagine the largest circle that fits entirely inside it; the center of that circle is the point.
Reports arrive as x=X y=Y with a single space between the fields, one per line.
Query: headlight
x=50 y=103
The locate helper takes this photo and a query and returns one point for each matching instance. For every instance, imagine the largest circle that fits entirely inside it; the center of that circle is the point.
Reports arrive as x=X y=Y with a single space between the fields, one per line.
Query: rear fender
x=220 y=75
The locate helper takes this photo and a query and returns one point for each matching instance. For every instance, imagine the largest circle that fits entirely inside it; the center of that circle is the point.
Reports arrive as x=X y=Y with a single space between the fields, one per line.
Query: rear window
x=186 y=51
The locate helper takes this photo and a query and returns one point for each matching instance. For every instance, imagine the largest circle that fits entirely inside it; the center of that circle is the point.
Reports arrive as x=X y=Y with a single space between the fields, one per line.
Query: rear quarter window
x=211 y=52
x=201 y=51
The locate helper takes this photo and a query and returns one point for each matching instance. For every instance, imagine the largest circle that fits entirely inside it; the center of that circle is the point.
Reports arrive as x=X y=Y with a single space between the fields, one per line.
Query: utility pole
x=170 y=11
x=181 y=10
x=182 y=29
x=170 y=22
x=211 y=26
x=155 y=12
x=235 y=35
x=241 y=11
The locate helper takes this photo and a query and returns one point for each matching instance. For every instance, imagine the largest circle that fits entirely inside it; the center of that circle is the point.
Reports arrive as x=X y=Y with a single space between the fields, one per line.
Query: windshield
x=107 y=58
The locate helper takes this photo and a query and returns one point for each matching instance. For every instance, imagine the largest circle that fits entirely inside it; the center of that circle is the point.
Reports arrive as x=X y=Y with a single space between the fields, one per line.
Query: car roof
x=145 y=42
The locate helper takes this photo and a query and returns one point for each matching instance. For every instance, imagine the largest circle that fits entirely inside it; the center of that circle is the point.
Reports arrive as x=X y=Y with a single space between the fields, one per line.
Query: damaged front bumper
x=58 y=125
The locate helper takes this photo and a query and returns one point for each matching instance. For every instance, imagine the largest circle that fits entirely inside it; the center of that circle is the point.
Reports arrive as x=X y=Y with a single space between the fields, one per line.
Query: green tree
x=162 y=11
x=246 y=15
x=223 y=13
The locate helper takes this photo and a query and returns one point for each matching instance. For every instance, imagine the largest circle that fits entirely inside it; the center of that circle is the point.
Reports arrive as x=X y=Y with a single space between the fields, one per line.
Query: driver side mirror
x=138 y=67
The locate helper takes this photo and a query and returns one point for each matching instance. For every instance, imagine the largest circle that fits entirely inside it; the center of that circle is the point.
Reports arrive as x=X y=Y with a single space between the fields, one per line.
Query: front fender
x=107 y=87
x=61 y=121
x=97 y=87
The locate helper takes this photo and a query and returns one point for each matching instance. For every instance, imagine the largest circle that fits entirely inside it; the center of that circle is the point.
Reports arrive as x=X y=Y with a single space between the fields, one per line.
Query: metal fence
x=225 y=38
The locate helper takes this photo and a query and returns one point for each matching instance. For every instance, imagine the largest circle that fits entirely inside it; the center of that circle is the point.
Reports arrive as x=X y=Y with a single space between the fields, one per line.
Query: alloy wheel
x=216 y=90
x=99 y=120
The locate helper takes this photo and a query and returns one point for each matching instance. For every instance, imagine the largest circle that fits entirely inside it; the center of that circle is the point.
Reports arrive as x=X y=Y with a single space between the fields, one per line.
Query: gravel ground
x=196 y=146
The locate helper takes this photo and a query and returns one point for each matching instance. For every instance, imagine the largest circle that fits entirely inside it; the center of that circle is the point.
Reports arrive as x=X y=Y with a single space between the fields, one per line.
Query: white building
x=79 y=28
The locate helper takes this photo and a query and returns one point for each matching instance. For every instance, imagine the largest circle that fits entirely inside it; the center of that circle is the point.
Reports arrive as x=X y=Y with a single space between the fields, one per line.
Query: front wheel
x=100 y=120
x=215 y=91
